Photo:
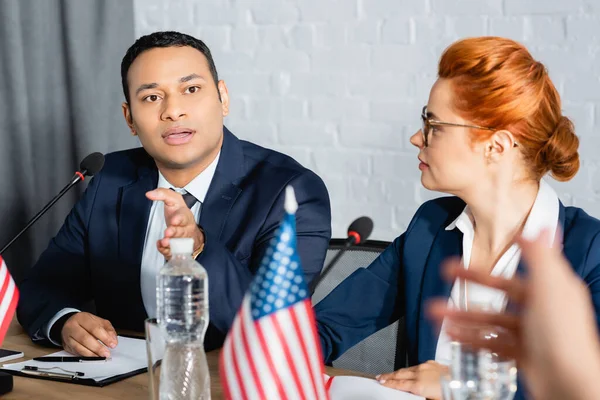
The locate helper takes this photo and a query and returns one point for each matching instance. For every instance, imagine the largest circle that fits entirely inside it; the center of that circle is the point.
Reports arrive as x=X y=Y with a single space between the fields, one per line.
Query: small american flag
x=272 y=350
x=9 y=296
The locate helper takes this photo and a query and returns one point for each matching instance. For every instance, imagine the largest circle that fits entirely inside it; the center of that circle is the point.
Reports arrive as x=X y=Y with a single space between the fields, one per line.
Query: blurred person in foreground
x=491 y=130
x=193 y=178
x=553 y=336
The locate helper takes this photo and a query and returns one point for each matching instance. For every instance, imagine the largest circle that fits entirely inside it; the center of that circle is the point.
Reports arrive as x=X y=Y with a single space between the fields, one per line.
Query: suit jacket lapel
x=446 y=244
x=134 y=210
x=224 y=189
x=522 y=269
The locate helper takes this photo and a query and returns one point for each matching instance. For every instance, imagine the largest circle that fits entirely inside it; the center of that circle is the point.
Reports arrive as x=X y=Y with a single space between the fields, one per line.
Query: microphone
x=90 y=166
x=358 y=232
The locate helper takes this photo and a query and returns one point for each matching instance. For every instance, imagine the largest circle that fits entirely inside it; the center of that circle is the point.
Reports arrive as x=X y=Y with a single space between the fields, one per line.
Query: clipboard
x=128 y=359
x=76 y=380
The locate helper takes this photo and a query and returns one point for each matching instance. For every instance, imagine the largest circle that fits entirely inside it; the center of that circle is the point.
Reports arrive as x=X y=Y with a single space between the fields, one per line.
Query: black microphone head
x=92 y=164
x=361 y=229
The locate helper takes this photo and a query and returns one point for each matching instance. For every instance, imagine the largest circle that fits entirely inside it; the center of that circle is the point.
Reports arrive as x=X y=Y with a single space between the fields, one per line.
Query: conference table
x=132 y=388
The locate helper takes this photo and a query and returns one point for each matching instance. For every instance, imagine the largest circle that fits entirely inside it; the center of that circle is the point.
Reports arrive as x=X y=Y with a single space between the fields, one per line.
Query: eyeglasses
x=428 y=123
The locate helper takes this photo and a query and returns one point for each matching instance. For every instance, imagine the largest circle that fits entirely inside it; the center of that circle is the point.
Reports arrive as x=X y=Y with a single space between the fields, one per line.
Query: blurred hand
x=180 y=220
x=421 y=380
x=82 y=332
x=554 y=339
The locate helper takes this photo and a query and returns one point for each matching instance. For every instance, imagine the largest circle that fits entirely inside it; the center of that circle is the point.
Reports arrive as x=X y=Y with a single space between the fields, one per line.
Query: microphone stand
x=76 y=178
x=349 y=243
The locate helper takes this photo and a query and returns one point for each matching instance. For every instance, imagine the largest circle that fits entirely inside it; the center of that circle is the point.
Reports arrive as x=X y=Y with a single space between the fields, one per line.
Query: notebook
x=356 y=388
x=127 y=359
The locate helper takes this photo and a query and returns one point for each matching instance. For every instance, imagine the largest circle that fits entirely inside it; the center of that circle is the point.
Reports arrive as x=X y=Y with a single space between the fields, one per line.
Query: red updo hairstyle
x=498 y=84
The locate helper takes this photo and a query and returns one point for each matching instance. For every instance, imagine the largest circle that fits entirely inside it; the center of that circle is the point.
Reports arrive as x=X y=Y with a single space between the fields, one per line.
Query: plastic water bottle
x=182 y=314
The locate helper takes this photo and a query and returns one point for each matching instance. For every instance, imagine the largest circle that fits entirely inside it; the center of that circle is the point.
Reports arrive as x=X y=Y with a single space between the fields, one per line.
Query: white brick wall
x=339 y=84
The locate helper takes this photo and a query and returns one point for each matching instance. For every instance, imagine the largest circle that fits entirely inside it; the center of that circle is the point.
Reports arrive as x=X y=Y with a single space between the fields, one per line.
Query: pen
x=49 y=372
x=68 y=359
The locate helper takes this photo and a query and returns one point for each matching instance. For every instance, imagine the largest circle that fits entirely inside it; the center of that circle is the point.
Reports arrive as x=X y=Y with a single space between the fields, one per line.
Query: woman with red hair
x=492 y=128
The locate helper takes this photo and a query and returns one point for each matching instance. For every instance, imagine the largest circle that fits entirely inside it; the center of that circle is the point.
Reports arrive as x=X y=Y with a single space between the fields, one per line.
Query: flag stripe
x=310 y=314
x=10 y=312
x=316 y=342
x=314 y=353
x=294 y=318
x=328 y=383
x=256 y=354
x=296 y=346
x=4 y=279
x=9 y=296
x=232 y=382
x=224 y=376
x=247 y=353
x=286 y=352
x=276 y=352
x=236 y=358
x=270 y=363
x=244 y=362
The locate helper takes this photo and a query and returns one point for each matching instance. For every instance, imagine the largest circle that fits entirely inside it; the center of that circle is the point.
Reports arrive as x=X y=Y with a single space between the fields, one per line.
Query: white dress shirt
x=543 y=215
x=152 y=260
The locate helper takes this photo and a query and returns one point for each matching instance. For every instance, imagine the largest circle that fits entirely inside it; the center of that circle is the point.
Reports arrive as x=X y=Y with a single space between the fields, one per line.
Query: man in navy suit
x=192 y=178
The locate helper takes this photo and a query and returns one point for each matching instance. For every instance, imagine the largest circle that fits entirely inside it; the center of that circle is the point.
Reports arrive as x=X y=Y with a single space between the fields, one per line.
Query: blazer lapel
x=521 y=268
x=134 y=210
x=224 y=189
x=446 y=244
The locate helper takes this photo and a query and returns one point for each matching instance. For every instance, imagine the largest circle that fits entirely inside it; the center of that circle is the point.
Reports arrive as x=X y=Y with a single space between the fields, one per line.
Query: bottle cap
x=181 y=245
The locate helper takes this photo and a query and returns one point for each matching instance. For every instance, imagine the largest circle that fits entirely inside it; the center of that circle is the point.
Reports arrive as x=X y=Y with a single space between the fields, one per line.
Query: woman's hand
x=421 y=380
x=554 y=338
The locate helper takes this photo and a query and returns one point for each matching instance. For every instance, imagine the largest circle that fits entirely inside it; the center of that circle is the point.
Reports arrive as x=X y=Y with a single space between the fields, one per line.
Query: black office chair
x=382 y=351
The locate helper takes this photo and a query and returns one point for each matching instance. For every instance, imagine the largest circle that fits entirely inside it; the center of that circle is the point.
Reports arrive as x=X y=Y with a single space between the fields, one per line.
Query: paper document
x=356 y=388
x=128 y=356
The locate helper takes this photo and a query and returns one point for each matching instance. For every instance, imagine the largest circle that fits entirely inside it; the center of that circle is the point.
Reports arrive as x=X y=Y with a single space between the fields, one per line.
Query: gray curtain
x=60 y=99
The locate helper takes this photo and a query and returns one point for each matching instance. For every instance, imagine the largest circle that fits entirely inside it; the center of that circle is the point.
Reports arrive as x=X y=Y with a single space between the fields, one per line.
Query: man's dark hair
x=163 y=39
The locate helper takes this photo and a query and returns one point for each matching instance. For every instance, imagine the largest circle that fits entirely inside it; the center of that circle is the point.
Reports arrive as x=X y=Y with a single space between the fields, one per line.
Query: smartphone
x=6 y=355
